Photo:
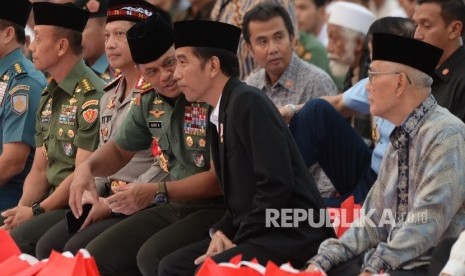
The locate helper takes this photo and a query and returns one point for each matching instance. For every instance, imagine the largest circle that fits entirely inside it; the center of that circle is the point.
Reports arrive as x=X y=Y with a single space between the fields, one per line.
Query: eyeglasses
x=371 y=74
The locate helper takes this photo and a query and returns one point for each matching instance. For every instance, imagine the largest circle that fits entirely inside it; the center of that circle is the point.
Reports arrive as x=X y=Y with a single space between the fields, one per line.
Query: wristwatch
x=292 y=107
x=36 y=209
x=161 y=198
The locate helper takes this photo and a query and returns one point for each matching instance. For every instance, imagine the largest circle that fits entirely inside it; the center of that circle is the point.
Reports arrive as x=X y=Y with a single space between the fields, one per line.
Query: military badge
x=19 y=103
x=90 y=115
x=89 y=103
x=104 y=132
x=163 y=162
x=68 y=149
x=111 y=103
x=157 y=113
x=46 y=112
x=157 y=101
x=195 y=119
x=72 y=101
x=67 y=115
x=71 y=133
x=18 y=88
x=199 y=160
x=60 y=132
x=3 y=86
x=189 y=141
x=202 y=143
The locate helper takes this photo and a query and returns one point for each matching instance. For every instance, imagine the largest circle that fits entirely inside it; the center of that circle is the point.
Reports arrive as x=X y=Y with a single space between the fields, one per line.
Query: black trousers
x=440 y=256
x=181 y=262
x=136 y=244
x=353 y=268
x=28 y=234
x=323 y=136
x=58 y=239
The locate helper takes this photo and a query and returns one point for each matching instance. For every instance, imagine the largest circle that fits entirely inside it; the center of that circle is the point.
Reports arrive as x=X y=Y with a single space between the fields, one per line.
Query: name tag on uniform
x=155 y=124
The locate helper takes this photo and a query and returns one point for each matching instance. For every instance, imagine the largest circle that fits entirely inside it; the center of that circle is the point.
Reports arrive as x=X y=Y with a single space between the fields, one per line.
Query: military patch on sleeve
x=19 y=87
x=89 y=103
x=90 y=115
x=19 y=103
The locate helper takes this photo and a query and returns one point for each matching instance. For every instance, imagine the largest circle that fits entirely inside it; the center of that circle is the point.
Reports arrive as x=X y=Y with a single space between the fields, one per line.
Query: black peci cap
x=203 y=33
x=408 y=51
x=149 y=39
x=16 y=11
x=61 y=15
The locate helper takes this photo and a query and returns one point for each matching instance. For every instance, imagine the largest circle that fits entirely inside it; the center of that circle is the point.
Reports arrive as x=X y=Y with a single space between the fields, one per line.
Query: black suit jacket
x=260 y=167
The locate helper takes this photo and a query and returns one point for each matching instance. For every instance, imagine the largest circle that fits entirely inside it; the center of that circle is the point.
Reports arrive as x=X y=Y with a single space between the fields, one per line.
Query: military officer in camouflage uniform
x=67 y=121
x=188 y=203
x=20 y=88
x=114 y=107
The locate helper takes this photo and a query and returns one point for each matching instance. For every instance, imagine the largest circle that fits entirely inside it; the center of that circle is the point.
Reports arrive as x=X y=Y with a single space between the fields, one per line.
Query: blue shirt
x=20 y=89
x=356 y=98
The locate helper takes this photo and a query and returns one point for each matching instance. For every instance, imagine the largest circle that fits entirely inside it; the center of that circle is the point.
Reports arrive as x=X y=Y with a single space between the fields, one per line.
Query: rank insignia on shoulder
x=143 y=85
x=157 y=113
x=85 y=85
x=19 y=103
x=18 y=68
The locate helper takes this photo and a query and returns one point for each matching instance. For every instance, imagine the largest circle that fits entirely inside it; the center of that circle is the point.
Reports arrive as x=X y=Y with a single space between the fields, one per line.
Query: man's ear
x=63 y=46
x=359 y=45
x=214 y=66
x=9 y=35
x=455 y=29
x=402 y=83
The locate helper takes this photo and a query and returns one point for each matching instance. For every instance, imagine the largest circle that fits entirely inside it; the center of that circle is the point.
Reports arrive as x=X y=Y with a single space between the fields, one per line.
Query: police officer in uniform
x=67 y=121
x=20 y=88
x=188 y=203
x=114 y=107
x=93 y=39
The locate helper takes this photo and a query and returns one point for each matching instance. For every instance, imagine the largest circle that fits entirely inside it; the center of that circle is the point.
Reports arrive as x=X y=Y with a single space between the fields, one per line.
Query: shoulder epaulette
x=143 y=85
x=112 y=83
x=85 y=86
x=17 y=70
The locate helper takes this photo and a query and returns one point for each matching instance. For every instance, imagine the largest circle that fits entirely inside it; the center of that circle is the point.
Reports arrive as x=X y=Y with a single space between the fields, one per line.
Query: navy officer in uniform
x=66 y=123
x=20 y=88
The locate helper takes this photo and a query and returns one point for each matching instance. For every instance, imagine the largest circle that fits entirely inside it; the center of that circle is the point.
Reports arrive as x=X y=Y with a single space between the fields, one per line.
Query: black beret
x=408 y=51
x=130 y=10
x=97 y=8
x=66 y=15
x=203 y=33
x=149 y=39
x=16 y=11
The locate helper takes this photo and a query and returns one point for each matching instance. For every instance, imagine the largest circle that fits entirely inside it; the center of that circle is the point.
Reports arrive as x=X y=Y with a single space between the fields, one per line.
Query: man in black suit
x=256 y=160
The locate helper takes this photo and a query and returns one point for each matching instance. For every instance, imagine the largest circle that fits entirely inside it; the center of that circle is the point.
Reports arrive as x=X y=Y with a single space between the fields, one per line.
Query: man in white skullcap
x=348 y=25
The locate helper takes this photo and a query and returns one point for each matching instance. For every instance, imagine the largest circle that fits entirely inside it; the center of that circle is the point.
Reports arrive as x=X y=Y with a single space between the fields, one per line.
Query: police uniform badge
x=19 y=103
x=3 y=86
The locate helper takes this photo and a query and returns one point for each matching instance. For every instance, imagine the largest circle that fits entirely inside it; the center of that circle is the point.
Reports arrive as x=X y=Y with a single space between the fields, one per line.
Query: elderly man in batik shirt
x=417 y=200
